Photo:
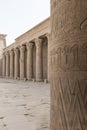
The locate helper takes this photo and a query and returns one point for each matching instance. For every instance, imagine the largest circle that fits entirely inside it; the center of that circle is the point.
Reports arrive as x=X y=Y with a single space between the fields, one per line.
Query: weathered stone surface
x=38 y=43
x=11 y=64
x=7 y=64
x=29 y=61
x=22 y=61
x=48 y=56
x=4 y=65
x=16 y=63
x=68 y=51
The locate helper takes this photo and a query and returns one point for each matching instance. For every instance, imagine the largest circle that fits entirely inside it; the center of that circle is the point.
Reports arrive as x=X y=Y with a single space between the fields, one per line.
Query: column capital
x=22 y=48
x=47 y=35
x=4 y=54
x=29 y=45
x=7 y=53
x=16 y=49
x=11 y=52
x=38 y=42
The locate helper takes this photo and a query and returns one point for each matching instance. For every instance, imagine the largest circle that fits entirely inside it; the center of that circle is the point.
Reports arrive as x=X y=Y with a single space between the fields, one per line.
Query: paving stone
x=23 y=105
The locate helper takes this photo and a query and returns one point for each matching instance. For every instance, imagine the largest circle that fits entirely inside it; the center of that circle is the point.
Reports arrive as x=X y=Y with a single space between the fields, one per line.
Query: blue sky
x=18 y=16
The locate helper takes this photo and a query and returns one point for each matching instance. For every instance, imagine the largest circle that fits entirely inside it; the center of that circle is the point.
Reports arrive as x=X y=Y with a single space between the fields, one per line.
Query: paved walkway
x=24 y=105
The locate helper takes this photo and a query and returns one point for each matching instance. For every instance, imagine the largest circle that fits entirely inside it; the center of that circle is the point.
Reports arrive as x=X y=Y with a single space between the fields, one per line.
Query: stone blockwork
x=27 y=58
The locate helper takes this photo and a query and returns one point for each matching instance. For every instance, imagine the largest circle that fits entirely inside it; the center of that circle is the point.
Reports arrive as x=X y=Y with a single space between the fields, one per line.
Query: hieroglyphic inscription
x=70 y=57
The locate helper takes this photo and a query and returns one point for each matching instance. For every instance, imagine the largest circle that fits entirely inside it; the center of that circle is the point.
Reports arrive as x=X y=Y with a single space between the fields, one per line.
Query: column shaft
x=39 y=73
x=48 y=60
x=11 y=64
x=22 y=62
x=7 y=65
x=16 y=63
x=30 y=61
x=4 y=65
x=68 y=51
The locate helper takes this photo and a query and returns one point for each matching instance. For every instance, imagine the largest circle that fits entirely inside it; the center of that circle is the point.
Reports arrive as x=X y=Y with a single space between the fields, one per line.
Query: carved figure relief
x=70 y=57
x=66 y=58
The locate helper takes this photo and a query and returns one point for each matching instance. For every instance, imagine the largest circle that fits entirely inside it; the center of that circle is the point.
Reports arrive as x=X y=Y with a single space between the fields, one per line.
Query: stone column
x=38 y=43
x=68 y=51
x=22 y=62
x=16 y=62
x=11 y=64
x=4 y=66
x=29 y=61
x=48 y=55
x=7 y=65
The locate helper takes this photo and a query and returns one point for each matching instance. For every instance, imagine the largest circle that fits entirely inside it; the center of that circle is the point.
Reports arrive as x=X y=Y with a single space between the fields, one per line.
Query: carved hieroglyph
x=68 y=52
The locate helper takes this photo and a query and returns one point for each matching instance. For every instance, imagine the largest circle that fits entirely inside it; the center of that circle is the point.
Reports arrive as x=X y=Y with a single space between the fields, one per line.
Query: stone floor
x=24 y=105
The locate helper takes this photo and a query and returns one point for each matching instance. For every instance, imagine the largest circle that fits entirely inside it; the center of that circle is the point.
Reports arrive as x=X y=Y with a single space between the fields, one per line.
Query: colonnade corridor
x=28 y=61
x=24 y=105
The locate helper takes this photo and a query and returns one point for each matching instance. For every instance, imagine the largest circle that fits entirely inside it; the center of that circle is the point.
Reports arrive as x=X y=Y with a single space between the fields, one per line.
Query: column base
x=30 y=79
x=25 y=79
x=34 y=80
x=21 y=78
x=45 y=80
x=39 y=80
x=7 y=77
x=18 y=78
x=15 y=78
x=11 y=77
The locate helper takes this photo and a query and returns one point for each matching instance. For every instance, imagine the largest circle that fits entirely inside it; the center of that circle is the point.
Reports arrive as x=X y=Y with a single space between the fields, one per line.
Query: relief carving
x=66 y=58
x=69 y=102
x=75 y=52
x=83 y=60
x=70 y=57
x=83 y=25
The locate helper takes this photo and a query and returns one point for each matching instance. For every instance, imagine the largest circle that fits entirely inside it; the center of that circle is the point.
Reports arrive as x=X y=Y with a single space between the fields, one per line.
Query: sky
x=18 y=16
